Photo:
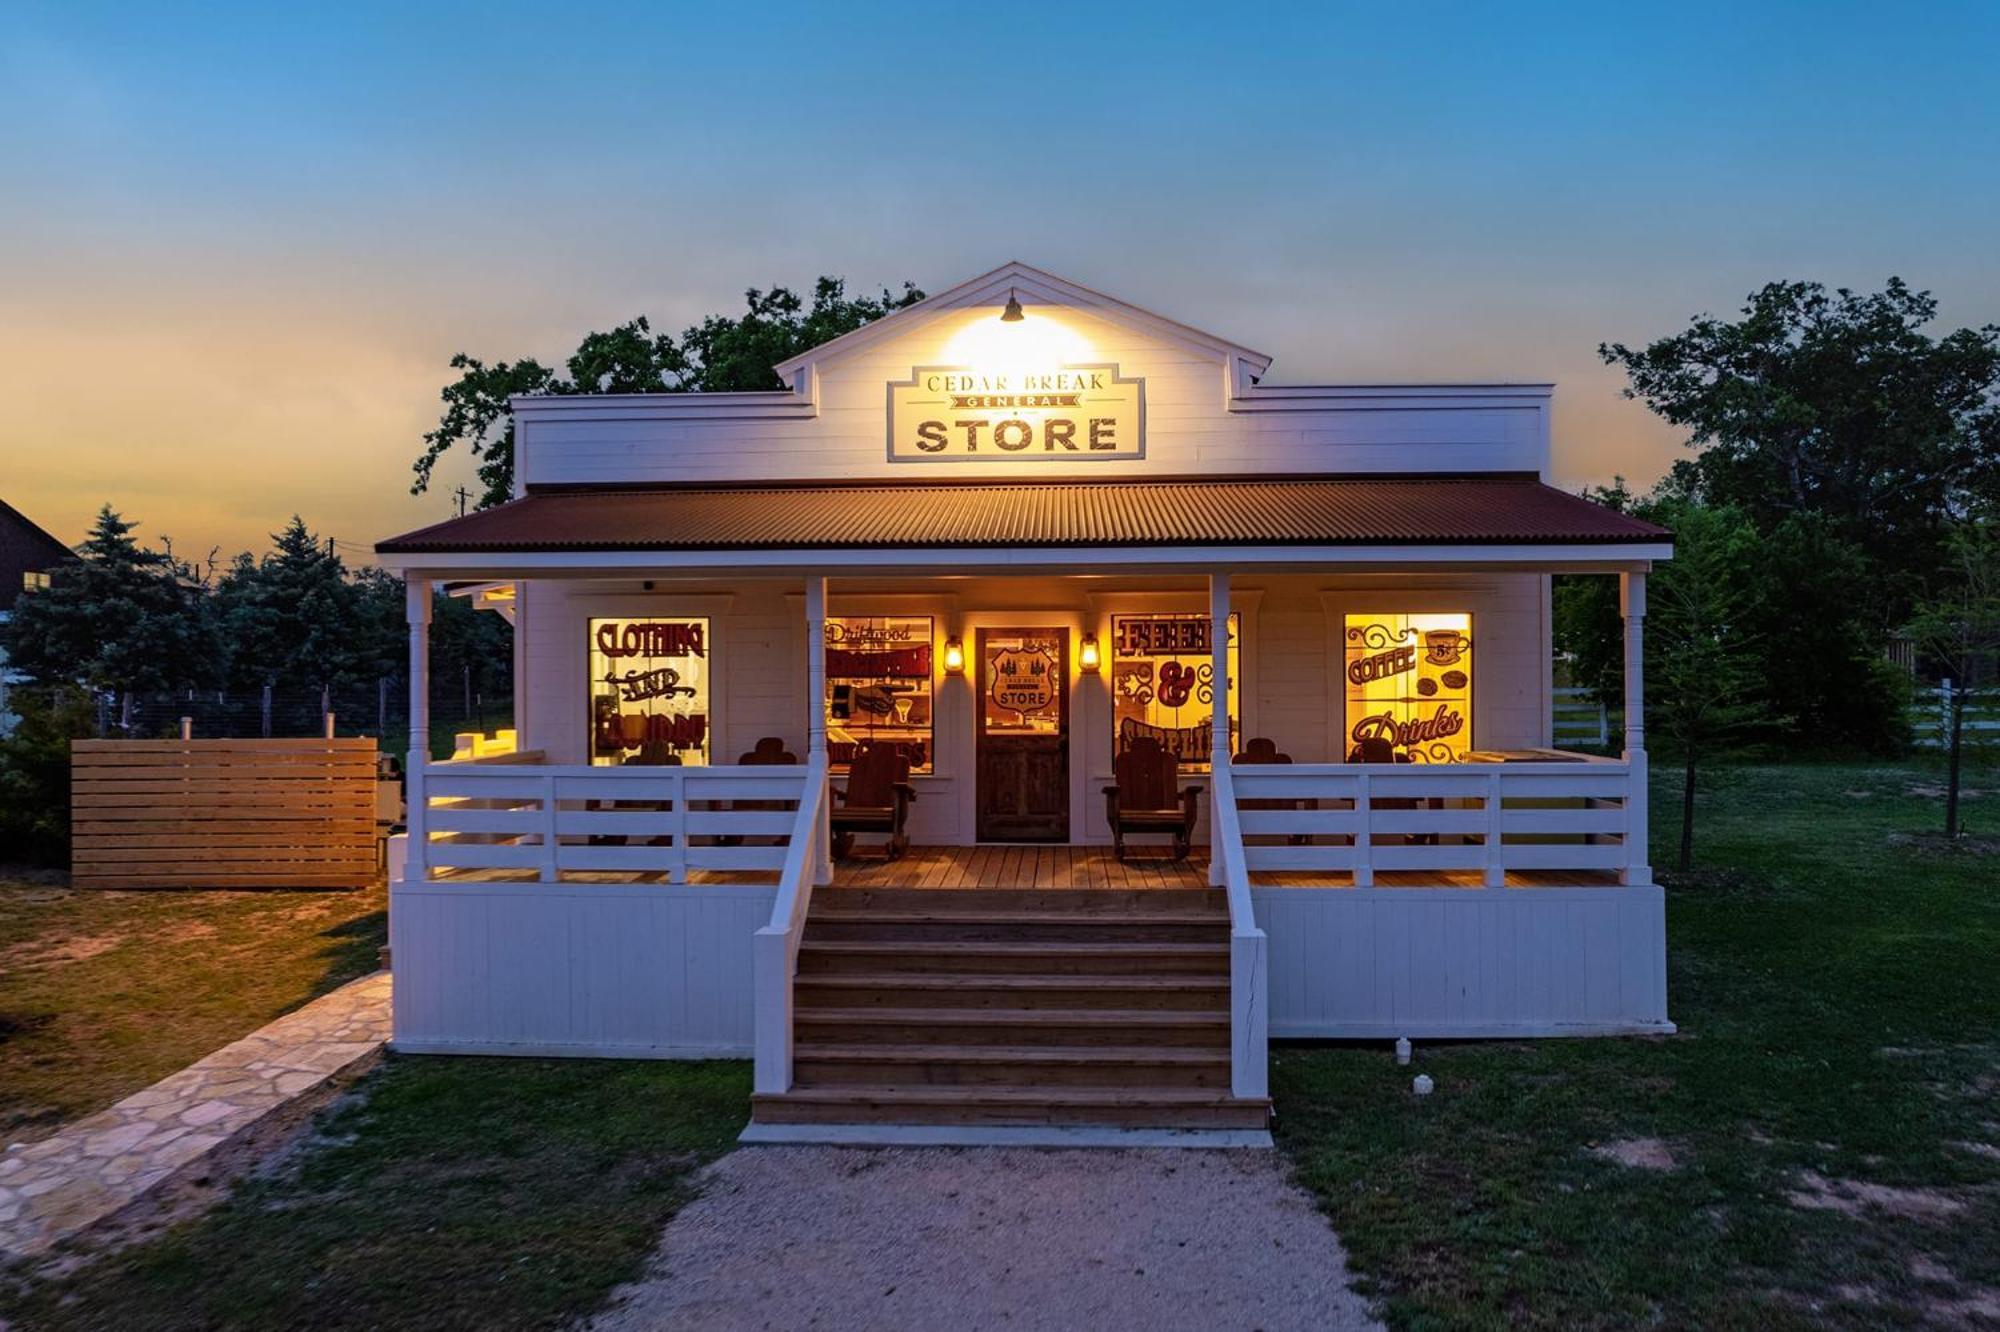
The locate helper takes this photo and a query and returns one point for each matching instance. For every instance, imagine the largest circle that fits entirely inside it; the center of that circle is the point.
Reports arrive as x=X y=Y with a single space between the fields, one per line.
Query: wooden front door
x=1023 y=777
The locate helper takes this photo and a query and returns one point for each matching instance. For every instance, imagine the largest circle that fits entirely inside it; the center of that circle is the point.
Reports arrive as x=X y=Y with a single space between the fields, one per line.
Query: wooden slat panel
x=160 y=855
x=151 y=819
x=122 y=883
x=346 y=744
x=223 y=813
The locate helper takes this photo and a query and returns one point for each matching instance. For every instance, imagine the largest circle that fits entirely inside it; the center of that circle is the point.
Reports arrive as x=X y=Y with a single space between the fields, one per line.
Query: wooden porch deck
x=1044 y=867
x=1065 y=866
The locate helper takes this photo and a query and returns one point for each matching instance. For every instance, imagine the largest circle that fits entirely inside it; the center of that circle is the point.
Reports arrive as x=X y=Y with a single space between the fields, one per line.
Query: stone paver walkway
x=57 y=1186
x=1011 y=1238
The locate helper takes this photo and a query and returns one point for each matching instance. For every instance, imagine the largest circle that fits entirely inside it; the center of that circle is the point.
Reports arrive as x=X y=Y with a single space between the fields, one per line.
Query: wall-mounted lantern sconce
x=1086 y=654
x=954 y=656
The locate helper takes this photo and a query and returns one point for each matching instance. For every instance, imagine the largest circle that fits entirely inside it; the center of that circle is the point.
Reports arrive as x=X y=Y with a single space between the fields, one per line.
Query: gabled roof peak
x=1036 y=285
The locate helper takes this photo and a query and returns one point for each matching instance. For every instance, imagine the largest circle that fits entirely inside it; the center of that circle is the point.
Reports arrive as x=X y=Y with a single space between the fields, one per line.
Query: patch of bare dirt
x=1930 y=791
x=1852 y=1197
x=1638 y=1153
x=39 y=954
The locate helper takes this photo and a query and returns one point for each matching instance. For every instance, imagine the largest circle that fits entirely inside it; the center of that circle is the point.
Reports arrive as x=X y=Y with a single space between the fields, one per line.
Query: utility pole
x=461 y=495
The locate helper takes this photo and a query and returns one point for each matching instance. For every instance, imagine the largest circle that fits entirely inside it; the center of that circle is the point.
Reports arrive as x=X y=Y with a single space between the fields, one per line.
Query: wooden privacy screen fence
x=222 y=813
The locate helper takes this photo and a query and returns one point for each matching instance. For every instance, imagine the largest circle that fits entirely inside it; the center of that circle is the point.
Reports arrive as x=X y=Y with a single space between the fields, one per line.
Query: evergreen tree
x=119 y=620
x=289 y=618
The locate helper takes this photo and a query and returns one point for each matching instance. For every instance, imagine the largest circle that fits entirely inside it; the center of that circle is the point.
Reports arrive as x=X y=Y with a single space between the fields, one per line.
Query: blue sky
x=239 y=244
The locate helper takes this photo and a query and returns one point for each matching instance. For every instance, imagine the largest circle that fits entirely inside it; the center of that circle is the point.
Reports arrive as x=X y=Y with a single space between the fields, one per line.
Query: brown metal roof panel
x=1315 y=511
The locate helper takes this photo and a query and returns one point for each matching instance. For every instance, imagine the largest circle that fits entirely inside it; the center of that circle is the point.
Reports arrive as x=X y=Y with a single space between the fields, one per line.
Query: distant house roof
x=1302 y=511
x=24 y=548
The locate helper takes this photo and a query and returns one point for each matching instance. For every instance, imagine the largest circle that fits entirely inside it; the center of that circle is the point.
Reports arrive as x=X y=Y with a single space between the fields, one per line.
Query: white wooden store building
x=973 y=554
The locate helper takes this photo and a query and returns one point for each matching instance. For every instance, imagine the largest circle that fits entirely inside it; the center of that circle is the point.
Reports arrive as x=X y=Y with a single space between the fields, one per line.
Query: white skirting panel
x=1445 y=962
x=646 y=971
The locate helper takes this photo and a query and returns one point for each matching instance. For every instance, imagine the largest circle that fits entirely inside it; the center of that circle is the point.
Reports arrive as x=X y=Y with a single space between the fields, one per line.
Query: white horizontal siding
x=646 y=971
x=1445 y=962
x=1193 y=426
x=1292 y=663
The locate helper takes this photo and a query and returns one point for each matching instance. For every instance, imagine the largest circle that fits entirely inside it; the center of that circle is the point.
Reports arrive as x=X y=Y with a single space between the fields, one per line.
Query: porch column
x=1219 y=749
x=816 y=710
x=1632 y=605
x=417 y=602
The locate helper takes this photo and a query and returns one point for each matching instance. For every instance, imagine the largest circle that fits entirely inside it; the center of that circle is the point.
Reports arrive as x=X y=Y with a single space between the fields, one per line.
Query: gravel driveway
x=836 y=1237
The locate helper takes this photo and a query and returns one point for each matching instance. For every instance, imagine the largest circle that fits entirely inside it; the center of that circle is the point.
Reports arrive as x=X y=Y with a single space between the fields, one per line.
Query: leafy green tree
x=721 y=354
x=289 y=617
x=1957 y=628
x=1702 y=657
x=34 y=772
x=1837 y=405
x=119 y=620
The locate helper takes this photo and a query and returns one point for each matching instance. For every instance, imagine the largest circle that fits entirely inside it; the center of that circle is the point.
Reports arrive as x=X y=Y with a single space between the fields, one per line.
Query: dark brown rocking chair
x=876 y=799
x=770 y=752
x=1144 y=798
x=1264 y=750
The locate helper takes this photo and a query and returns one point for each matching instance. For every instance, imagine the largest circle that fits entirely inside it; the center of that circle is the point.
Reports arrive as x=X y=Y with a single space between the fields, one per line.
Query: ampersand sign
x=1176 y=683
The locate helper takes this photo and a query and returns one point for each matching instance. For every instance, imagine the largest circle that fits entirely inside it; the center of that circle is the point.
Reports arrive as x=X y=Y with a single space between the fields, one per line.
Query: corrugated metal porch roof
x=1282 y=511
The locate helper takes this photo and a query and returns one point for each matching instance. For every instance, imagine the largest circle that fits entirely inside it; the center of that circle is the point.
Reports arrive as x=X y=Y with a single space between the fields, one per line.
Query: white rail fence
x=556 y=820
x=1931 y=720
x=1249 y=950
x=775 y=950
x=1358 y=819
x=1579 y=718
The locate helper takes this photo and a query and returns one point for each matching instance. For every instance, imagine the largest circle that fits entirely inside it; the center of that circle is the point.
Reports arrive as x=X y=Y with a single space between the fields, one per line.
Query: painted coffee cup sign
x=1409 y=688
x=1063 y=413
x=649 y=691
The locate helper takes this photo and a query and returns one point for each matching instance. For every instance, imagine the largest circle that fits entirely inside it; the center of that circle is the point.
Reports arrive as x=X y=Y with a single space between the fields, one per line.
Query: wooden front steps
x=1006 y=1008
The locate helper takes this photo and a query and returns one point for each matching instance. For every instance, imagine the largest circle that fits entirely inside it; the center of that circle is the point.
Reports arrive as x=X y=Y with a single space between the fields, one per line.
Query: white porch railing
x=1485 y=818
x=775 y=950
x=554 y=820
x=1249 y=955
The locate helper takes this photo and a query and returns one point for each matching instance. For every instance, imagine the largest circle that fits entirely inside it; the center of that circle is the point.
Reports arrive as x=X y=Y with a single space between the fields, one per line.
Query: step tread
x=1015 y=947
x=932 y=1095
x=874 y=916
x=1035 y=1017
x=1003 y=980
x=1012 y=1054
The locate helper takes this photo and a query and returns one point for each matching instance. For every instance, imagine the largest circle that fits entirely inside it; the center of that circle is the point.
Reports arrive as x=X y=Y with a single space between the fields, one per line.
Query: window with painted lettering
x=1409 y=687
x=649 y=681
x=878 y=686
x=1163 y=684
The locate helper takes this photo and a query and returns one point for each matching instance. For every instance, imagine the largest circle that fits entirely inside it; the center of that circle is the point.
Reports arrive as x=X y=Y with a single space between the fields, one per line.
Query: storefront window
x=649 y=691
x=878 y=686
x=1163 y=683
x=1409 y=688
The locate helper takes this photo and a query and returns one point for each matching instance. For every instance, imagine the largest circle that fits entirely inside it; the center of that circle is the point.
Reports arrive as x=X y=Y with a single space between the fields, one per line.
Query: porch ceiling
x=1121 y=521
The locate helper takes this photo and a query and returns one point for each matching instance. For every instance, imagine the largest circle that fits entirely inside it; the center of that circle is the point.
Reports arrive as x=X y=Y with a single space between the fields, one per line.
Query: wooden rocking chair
x=876 y=799
x=1264 y=750
x=770 y=752
x=1144 y=799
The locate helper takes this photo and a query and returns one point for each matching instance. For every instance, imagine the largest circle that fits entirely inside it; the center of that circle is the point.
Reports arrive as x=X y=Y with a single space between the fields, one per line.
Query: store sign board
x=1066 y=413
x=1024 y=680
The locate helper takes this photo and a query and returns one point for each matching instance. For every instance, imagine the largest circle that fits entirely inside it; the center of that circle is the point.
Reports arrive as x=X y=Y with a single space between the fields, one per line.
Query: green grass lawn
x=448 y=1193
x=1824 y=1134
x=1831 y=1107
x=103 y=993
